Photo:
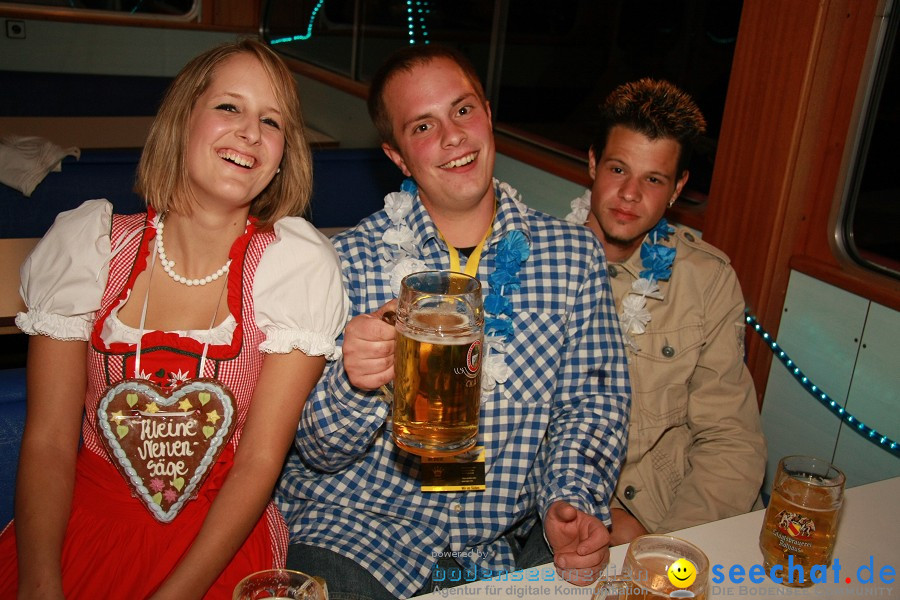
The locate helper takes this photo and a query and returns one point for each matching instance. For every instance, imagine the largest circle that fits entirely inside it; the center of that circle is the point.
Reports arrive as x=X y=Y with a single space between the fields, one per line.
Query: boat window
x=866 y=228
x=546 y=65
x=185 y=9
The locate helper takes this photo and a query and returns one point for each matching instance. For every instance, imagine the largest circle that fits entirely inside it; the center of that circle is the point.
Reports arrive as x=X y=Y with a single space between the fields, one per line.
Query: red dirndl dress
x=114 y=548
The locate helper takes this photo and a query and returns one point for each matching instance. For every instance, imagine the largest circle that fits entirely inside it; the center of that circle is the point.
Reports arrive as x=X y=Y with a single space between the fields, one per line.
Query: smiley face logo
x=682 y=573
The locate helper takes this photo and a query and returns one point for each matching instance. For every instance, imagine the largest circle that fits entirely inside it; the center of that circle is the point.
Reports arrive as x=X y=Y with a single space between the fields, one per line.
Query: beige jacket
x=695 y=449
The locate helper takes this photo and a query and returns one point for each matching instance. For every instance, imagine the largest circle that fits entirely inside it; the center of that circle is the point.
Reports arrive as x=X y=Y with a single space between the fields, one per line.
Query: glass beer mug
x=437 y=363
x=658 y=566
x=280 y=584
x=802 y=518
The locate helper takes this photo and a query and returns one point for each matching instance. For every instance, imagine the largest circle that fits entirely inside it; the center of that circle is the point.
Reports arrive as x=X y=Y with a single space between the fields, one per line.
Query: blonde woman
x=178 y=345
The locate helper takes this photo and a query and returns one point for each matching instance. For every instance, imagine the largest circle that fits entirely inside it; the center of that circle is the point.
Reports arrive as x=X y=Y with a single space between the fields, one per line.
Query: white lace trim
x=115 y=331
x=58 y=327
x=311 y=343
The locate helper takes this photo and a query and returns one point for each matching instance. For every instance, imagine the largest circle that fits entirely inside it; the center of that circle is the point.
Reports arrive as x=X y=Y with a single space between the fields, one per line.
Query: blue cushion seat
x=12 y=423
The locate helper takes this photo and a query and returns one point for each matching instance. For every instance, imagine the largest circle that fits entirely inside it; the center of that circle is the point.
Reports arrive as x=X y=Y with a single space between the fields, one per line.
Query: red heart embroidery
x=165 y=445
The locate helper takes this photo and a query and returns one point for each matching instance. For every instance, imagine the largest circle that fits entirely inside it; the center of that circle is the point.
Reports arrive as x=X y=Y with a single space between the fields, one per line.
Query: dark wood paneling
x=838 y=87
x=243 y=15
x=858 y=281
x=793 y=85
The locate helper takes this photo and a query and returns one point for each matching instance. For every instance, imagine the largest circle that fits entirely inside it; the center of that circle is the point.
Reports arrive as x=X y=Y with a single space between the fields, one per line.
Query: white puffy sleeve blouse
x=298 y=295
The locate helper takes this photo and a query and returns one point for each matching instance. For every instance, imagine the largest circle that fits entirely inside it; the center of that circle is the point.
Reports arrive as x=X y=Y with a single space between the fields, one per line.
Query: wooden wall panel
x=793 y=85
x=239 y=14
x=838 y=88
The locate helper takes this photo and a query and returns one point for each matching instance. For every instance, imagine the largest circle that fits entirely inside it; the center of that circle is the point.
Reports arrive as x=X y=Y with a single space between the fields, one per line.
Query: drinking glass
x=437 y=363
x=280 y=584
x=801 y=521
x=658 y=566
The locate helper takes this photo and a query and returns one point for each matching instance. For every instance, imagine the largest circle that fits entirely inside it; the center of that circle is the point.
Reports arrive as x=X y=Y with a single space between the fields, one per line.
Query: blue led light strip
x=416 y=12
x=309 y=28
x=882 y=441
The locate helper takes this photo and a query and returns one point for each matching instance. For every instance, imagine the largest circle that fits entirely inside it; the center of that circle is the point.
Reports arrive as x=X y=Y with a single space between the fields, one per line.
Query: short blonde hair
x=162 y=177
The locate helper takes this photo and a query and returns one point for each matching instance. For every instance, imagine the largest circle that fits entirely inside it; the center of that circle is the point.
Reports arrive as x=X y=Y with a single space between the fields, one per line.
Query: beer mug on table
x=658 y=566
x=280 y=584
x=801 y=521
x=437 y=363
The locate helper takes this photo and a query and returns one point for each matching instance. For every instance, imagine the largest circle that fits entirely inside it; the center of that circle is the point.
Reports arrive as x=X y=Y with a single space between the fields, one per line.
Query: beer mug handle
x=389 y=317
x=388 y=393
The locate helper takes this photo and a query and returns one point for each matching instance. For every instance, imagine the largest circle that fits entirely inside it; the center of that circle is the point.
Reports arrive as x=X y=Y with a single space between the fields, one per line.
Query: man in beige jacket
x=695 y=449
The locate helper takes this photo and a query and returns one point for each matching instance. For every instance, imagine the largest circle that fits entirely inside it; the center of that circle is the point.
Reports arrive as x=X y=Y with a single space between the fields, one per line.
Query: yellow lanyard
x=474 y=258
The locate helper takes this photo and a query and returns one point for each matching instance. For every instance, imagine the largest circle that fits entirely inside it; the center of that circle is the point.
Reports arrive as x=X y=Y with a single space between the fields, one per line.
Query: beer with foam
x=646 y=571
x=437 y=364
x=802 y=517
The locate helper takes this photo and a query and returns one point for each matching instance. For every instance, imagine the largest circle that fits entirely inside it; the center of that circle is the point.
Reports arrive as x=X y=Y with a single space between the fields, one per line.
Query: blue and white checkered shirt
x=555 y=430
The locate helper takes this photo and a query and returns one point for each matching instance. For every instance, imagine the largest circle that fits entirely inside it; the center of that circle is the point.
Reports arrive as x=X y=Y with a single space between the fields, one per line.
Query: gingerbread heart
x=165 y=445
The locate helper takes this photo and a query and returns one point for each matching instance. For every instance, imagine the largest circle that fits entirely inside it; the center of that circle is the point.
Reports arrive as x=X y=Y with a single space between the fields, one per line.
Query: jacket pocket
x=661 y=372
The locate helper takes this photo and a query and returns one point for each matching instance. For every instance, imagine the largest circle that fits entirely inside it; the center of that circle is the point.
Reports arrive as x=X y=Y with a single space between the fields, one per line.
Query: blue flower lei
x=656 y=258
x=657 y=261
x=512 y=252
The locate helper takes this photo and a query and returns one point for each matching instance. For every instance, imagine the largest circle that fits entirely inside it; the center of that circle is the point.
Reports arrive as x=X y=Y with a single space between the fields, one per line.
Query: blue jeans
x=347 y=580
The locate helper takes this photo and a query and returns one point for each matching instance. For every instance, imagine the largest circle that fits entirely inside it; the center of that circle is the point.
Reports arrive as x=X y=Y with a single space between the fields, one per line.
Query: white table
x=869 y=530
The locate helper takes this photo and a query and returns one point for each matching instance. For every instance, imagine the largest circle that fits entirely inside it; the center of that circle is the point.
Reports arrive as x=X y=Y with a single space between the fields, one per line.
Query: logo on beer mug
x=795 y=525
x=473 y=358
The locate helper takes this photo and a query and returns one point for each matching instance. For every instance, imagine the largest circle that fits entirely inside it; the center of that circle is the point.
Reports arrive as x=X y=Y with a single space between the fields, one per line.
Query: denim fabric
x=346 y=580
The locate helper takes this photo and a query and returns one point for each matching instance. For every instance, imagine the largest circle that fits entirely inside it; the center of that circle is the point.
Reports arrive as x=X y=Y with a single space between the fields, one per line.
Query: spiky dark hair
x=655 y=108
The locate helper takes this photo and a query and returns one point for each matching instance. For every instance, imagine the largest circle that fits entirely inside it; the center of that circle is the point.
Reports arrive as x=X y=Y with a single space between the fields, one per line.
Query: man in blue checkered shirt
x=555 y=399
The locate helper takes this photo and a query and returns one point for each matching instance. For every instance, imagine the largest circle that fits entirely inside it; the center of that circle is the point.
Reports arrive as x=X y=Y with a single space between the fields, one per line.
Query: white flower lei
x=635 y=316
x=400 y=256
x=399 y=239
x=581 y=208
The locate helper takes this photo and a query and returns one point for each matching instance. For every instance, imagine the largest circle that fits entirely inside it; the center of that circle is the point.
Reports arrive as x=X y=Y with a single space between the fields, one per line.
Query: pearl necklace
x=168 y=265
